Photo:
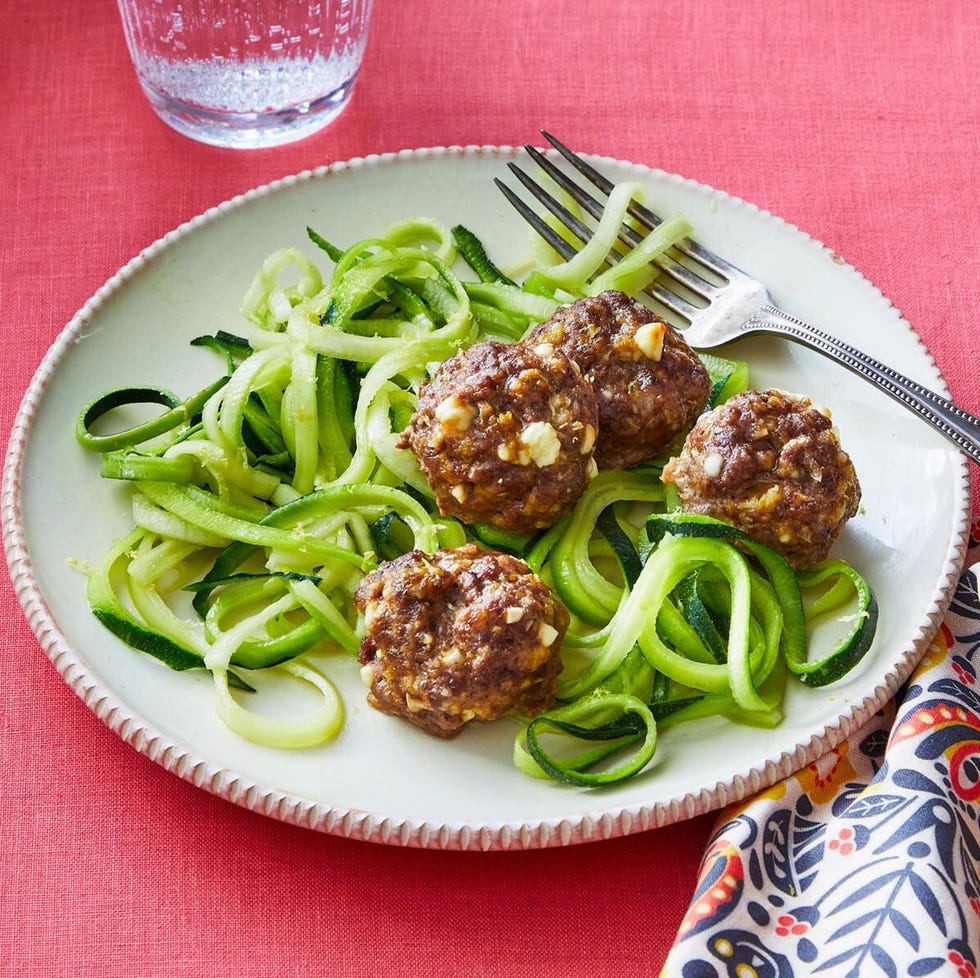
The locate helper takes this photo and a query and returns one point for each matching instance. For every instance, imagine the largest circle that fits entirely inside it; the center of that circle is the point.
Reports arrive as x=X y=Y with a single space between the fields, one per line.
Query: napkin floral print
x=867 y=862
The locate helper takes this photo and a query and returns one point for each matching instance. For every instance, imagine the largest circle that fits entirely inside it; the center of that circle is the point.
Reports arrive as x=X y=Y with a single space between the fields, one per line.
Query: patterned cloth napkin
x=867 y=862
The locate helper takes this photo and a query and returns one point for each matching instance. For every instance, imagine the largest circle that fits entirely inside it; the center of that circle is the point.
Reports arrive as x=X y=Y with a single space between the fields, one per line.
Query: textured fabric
x=866 y=862
x=856 y=121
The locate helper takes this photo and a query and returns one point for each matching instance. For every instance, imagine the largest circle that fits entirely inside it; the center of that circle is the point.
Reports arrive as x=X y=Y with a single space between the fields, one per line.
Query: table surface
x=858 y=123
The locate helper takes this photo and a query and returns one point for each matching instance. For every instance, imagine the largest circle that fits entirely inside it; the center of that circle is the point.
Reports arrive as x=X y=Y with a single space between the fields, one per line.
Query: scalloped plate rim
x=350 y=822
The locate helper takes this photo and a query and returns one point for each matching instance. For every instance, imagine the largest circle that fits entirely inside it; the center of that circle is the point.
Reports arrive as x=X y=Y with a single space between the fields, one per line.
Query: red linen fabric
x=857 y=122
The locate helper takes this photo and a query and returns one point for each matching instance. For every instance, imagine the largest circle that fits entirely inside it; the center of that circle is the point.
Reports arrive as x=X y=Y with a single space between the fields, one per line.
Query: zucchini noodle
x=260 y=502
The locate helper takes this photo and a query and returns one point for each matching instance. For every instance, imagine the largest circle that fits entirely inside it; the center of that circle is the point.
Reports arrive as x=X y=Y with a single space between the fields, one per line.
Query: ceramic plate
x=382 y=780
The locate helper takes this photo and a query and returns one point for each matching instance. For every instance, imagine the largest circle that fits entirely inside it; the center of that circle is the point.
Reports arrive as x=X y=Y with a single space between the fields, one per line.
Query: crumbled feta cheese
x=513 y=614
x=650 y=340
x=370 y=613
x=455 y=414
x=452 y=657
x=547 y=634
x=713 y=465
x=542 y=443
x=588 y=439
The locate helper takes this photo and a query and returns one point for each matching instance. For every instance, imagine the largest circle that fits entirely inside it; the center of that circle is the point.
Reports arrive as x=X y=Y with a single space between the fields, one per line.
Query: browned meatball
x=771 y=464
x=504 y=434
x=463 y=634
x=650 y=385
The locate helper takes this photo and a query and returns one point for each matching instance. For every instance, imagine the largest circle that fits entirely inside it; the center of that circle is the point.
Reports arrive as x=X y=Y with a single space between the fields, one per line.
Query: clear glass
x=246 y=73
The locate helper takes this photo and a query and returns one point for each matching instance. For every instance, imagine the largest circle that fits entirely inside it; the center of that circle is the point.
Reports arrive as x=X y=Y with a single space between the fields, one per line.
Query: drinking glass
x=246 y=73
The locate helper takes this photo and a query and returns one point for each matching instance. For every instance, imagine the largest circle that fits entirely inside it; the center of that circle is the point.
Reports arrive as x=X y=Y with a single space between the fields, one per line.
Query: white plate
x=382 y=780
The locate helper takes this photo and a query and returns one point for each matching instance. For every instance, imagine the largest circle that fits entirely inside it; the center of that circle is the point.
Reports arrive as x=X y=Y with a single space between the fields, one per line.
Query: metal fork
x=716 y=301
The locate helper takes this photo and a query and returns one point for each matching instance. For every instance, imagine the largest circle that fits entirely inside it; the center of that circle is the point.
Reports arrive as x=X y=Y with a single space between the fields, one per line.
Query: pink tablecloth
x=857 y=122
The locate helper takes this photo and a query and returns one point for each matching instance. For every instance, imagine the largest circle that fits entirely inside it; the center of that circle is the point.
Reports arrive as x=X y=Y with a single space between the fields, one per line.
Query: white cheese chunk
x=713 y=465
x=547 y=634
x=454 y=414
x=542 y=443
x=650 y=340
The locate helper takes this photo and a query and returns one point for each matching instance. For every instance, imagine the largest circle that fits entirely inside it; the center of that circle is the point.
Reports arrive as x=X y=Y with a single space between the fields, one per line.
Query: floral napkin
x=867 y=862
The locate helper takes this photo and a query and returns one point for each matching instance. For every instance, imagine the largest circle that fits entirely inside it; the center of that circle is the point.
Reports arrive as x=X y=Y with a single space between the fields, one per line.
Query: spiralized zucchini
x=260 y=502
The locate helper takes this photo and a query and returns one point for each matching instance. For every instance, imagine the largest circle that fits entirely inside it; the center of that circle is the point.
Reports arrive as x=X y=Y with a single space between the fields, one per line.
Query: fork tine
x=643 y=214
x=629 y=236
x=565 y=216
x=580 y=196
x=549 y=234
x=675 y=303
x=587 y=171
x=682 y=274
x=562 y=213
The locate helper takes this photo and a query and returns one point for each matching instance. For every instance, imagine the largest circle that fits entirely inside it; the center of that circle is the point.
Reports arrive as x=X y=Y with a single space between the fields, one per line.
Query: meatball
x=650 y=385
x=459 y=635
x=771 y=464
x=504 y=434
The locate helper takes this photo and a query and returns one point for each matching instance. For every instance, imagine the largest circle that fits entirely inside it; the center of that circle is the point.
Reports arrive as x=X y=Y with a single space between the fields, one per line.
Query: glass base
x=249 y=130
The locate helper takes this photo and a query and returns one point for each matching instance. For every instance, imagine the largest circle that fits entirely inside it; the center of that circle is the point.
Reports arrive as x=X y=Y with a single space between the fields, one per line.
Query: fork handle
x=959 y=426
